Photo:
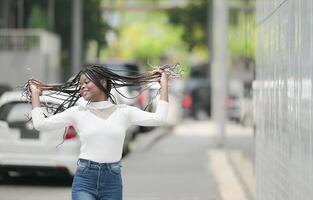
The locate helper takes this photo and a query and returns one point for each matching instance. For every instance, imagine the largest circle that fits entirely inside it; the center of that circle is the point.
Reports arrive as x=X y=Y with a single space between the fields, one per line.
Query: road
x=177 y=165
x=35 y=188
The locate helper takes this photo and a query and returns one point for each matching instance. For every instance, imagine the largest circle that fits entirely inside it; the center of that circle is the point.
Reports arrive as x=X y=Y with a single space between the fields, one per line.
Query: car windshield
x=18 y=111
x=119 y=69
x=14 y=112
x=126 y=70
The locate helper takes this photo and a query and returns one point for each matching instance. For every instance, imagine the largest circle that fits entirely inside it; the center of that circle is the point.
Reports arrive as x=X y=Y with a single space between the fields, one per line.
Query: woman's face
x=89 y=91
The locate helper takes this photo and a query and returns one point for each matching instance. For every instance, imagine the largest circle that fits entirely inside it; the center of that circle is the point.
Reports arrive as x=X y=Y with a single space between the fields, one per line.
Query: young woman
x=101 y=125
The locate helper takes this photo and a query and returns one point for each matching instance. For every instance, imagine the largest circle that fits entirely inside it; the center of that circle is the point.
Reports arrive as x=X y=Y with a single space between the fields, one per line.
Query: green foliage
x=148 y=38
x=94 y=27
x=38 y=18
x=194 y=19
x=241 y=37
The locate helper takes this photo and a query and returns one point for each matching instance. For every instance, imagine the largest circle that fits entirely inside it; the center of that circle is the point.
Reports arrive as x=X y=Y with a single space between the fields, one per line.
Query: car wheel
x=4 y=175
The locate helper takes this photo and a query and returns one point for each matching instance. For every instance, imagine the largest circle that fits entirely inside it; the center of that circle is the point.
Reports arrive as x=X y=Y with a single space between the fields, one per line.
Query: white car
x=23 y=149
x=26 y=150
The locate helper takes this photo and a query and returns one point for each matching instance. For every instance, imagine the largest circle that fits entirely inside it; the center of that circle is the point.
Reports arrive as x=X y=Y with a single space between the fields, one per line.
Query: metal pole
x=76 y=36
x=219 y=66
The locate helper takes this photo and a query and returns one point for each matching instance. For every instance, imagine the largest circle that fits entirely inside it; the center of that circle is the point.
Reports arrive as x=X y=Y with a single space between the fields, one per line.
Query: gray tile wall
x=283 y=100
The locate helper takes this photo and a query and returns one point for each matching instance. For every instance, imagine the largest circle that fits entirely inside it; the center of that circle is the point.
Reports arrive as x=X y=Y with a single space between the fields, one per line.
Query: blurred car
x=197 y=98
x=127 y=69
x=247 y=116
x=4 y=88
x=234 y=104
x=25 y=150
x=234 y=100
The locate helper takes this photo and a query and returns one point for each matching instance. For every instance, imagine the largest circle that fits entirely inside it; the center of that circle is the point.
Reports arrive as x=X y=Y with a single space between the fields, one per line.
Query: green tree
x=241 y=38
x=38 y=18
x=147 y=38
x=94 y=27
x=194 y=19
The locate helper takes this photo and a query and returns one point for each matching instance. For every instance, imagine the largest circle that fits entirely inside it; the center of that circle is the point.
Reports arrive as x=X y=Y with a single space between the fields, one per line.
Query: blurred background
x=51 y=40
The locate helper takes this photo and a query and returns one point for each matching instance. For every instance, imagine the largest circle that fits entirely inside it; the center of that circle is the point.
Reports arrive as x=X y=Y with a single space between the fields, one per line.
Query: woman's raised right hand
x=34 y=89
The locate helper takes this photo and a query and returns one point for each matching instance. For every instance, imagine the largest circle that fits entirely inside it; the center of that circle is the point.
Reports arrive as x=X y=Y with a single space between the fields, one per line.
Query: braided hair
x=69 y=92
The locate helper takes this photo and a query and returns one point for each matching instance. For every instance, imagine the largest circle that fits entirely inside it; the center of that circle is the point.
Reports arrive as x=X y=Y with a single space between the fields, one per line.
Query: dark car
x=197 y=97
x=4 y=88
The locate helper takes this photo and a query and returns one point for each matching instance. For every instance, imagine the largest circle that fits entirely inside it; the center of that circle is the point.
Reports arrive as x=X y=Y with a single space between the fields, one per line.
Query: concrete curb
x=225 y=177
x=244 y=171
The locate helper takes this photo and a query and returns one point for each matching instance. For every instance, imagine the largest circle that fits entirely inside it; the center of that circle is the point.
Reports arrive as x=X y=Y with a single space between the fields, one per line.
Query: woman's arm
x=60 y=120
x=164 y=86
x=143 y=118
x=36 y=92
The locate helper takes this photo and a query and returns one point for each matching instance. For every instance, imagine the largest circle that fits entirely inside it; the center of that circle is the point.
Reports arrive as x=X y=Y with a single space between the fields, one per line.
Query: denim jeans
x=97 y=181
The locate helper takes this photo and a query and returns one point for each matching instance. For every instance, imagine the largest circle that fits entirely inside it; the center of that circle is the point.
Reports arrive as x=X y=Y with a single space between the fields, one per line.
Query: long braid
x=68 y=92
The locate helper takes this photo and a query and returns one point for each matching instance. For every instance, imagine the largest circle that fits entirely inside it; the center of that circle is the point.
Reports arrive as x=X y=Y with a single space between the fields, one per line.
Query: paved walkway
x=175 y=168
x=186 y=164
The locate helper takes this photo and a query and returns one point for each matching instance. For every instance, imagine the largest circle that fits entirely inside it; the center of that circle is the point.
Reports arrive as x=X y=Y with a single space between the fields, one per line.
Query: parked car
x=4 y=88
x=25 y=150
x=247 y=115
x=197 y=97
x=234 y=100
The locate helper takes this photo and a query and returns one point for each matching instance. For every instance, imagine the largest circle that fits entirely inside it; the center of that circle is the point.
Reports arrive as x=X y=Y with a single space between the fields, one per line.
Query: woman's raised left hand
x=164 y=77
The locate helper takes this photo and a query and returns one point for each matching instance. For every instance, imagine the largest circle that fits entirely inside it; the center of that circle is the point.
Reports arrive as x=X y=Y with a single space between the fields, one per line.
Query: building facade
x=283 y=100
x=24 y=52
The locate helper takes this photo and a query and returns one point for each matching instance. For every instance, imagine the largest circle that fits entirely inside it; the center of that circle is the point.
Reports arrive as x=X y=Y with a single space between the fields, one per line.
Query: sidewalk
x=186 y=164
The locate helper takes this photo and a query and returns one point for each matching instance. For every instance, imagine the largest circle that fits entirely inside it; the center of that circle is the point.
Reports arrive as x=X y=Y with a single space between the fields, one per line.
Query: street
x=179 y=164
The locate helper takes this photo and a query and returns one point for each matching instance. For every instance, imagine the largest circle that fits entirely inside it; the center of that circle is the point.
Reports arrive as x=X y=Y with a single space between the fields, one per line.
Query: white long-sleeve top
x=101 y=138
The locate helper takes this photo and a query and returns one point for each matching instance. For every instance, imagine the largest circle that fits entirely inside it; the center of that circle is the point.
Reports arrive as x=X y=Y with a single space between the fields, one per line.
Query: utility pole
x=219 y=66
x=76 y=61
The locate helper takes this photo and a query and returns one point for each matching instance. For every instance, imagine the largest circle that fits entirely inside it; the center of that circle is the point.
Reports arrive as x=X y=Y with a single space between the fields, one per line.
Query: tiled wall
x=283 y=100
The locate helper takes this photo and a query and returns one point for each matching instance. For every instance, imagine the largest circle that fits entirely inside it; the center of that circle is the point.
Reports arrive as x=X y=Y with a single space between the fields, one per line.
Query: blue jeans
x=97 y=181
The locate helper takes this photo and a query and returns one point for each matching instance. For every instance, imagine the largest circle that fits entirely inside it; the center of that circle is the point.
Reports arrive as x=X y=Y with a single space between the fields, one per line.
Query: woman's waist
x=90 y=163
